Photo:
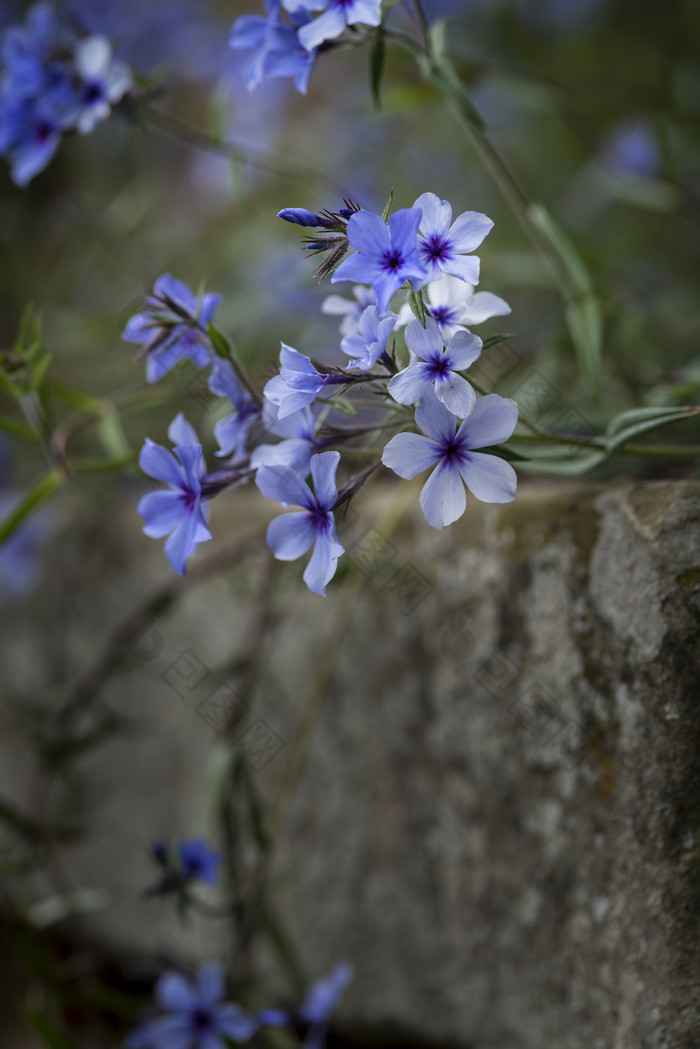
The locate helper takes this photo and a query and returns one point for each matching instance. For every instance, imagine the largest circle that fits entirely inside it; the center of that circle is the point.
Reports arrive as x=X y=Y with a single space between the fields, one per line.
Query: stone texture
x=499 y=817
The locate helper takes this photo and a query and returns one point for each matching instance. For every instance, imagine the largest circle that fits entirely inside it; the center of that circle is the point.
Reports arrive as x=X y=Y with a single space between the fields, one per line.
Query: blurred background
x=595 y=103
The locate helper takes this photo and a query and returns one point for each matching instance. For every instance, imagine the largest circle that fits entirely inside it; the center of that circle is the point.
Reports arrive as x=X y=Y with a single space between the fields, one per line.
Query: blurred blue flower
x=291 y=535
x=337 y=15
x=368 y=344
x=386 y=256
x=199 y=861
x=180 y=511
x=231 y=432
x=298 y=383
x=320 y=1003
x=443 y=500
x=350 y=311
x=173 y=325
x=196 y=1018
x=104 y=81
x=276 y=46
x=633 y=150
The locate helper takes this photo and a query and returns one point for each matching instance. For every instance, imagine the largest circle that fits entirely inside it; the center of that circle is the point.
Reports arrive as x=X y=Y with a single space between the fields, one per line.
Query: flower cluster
x=52 y=83
x=286 y=40
x=194 y=1015
x=422 y=390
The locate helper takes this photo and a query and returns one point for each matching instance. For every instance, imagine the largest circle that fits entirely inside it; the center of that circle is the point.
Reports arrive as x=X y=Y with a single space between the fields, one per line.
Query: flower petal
x=437 y=214
x=181 y=432
x=362 y=266
x=210 y=981
x=284 y=485
x=183 y=541
x=491 y=422
x=368 y=232
x=323 y=469
x=290 y=535
x=468 y=231
x=174 y=992
x=465 y=267
x=403 y=226
x=324 y=561
x=162 y=512
x=489 y=478
x=409 y=454
x=480 y=307
x=443 y=498
x=435 y=420
x=327 y=26
x=424 y=341
x=159 y=463
x=411 y=384
x=456 y=394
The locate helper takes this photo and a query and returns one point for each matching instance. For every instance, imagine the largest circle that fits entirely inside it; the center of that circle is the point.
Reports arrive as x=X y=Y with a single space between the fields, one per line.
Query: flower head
x=439 y=369
x=276 y=46
x=443 y=244
x=454 y=304
x=195 y=1017
x=104 y=81
x=198 y=861
x=386 y=254
x=173 y=325
x=232 y=431
x=291 y=535
x=179 y=512
x=491 y=421
x=347 y=309
x=369 y=343
x=298 y=383
x=337 y=15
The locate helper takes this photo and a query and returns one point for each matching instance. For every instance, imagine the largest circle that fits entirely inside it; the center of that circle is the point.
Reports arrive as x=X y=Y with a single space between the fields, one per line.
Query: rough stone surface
x=498 y=820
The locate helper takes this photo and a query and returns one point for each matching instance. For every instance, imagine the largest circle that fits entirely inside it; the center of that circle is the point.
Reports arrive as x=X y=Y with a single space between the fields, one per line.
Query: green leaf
x=389 y=205
x=344 y=407
x=586 y=328
x=50 y=1035
x=112 y=434
x=657 y=416
x=493 y=340
x=376 y=68
x=18 y=429
x=30 y=501
x=220 y=344
x=415 y=301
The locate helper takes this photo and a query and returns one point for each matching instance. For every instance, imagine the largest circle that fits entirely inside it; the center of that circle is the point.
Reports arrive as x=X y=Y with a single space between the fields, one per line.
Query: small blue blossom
x=173 y=325
x=633 y=150
x=232 y=431
x=386 y=256
x=443 y=243
x=199 y=861
x=278 y=51
x=291 y=535
x=301 y=217
x=368 y=345
x=337 y=15
x=320 y=1003
x=350 y=311
x=439 y=368
x=179 y=512
x=298 y=383
x=454 y=305
x=104 y=81
x=195 y=1017
x=299 y=444
x=490 y=479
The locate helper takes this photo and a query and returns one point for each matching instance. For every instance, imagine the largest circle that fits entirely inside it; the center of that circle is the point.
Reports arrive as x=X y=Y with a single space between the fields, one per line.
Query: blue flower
x=277 y=49
x=633 y=150
x=440 y=368
x=195 y=1016
x=350 y=311
x=232 y=431
x=369 y=343
x=199 y=861
x=30 y=133
x=321 y=1000
x=301 y=217
x=172 y=325
x=489 y=478
x=337 y=15
x=298 y=383
x=104 y=81
x=444 y=243
x=179 y=512
x=291 y=535
x=387 y=255
x=454 y=304
x=299 y=444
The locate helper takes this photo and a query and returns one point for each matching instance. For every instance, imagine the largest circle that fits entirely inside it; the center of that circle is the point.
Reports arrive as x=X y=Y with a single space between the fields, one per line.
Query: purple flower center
x=43 y=130
x=442 y=314
x=453 y=450
x=318 y=517
x=436 y=249
x=439 y=365
x=188 y=497
x=392 y=260
x=202 y=1020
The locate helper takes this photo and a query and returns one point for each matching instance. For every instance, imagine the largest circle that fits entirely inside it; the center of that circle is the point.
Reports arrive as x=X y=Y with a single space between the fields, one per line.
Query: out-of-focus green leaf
x=344 y=407
x=377 y=55
x=493 y=340
x=18 y=429
x=30 y=501
x=50 y=1035
x=654 y=416
x=415 y=301
x=221 y=345
x=112 y=435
